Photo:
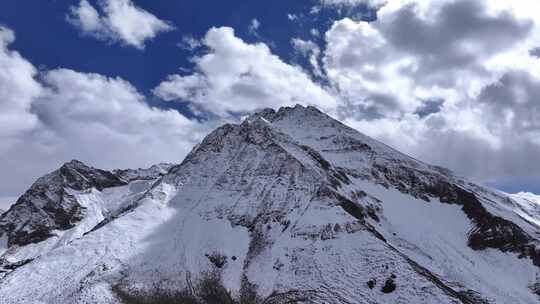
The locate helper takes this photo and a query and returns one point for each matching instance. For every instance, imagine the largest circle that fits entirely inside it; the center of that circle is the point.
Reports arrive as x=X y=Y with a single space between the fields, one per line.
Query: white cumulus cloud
x=120 y=21
x=61 y=114
x=17 y=91
x=235 y=76
x=445 y=80
x=310 y=50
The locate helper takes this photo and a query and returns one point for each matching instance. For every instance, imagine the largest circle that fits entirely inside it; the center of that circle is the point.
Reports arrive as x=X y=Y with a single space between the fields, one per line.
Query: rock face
x=152 y=173
x=290 y=206
x=48 y=204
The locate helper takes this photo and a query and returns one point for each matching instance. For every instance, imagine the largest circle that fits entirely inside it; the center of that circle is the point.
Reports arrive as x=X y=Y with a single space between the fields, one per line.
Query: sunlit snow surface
x=252 y=194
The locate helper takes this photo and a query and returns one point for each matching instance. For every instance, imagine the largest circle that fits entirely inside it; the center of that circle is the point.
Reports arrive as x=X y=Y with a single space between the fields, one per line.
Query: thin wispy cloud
x=254 y=27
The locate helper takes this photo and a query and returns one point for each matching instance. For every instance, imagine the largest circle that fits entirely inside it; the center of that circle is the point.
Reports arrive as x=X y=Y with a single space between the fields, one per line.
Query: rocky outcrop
x=152 y=173
x=50 y=205
x=489 y=231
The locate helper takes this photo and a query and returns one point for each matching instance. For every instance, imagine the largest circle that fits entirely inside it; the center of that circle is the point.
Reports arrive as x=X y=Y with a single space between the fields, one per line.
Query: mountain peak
x=74 y=162
x=77 y=175
x=271 y=115
x=51 y=205
x=290 y=205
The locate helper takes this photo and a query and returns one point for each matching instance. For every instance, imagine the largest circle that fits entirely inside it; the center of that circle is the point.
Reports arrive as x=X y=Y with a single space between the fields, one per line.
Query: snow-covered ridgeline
x=290 y=205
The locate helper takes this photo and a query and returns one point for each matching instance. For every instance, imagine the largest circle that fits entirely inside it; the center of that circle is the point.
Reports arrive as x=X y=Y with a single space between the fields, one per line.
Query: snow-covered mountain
x=64 y=205
x=289 y=206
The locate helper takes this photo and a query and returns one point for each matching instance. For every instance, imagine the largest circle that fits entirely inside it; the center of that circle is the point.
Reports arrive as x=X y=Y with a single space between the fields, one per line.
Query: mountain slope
x=64 y=205
x=289 y=206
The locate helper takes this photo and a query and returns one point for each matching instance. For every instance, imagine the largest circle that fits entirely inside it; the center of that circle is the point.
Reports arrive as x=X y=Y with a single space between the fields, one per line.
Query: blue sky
x=114 y=83
x=47 y=40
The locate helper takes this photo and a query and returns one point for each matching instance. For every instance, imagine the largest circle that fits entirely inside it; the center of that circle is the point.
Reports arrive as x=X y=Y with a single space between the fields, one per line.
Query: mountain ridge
x=287 y=206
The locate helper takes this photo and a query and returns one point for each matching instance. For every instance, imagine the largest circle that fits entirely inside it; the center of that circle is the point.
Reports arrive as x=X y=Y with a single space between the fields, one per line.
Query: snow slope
x=527 y=206
x=66 y=204
x=289 y=206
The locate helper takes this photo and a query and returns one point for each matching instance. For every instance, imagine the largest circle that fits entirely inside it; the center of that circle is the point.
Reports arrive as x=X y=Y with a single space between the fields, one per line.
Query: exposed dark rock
x=12 y=266
x=424 y=272
x=217 y=259
x=389 y=286
x=473 y=297
x=351 y=208
x=489 y=231
x=348 y=144
x=208 y=290
x=78 y=176
x=37 y=213
x=290 y=297
x=152 y=173
x=49 y=206
x=371 y=283
x=317 y=157
x=535 y=288
x=258 y=242
x=336 y=176
x=372 y=213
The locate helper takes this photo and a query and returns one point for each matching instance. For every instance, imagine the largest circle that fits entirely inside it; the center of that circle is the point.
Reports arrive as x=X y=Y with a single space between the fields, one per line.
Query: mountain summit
x=290 y=206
